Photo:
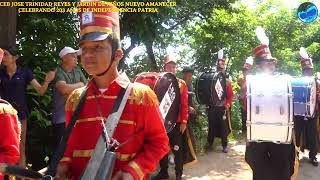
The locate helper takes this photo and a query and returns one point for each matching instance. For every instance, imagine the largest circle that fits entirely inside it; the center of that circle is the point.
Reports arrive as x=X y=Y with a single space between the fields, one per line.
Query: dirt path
x=216 y=165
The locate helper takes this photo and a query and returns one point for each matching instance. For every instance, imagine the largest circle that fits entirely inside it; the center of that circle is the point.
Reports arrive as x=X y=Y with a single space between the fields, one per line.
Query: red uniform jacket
x=230 y=95
x=9 y=135
x=142 y=153
x=184 y=107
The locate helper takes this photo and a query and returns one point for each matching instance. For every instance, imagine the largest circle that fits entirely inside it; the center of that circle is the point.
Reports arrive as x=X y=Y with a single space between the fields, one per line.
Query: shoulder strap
x=111 y=124
x=118 y=107
x=63 y=143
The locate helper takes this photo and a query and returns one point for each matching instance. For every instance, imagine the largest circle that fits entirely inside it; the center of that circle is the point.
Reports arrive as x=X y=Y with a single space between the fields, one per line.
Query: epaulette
x=5 y=107
x=143 y=95
x=73 y=99
x=182 y=84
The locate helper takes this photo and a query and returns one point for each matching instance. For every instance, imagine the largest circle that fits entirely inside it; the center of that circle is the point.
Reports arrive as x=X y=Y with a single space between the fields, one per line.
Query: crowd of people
x=111 y=112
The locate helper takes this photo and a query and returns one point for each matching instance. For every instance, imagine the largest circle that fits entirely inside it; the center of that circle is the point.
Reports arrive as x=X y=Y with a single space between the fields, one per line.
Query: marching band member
x=187 y=77
x=268 y=160
x=188 y=137
x=140 y=126
x=176 y=135
x=9 y=133
x=219 y=116
x=246 y=69
x=306 y=124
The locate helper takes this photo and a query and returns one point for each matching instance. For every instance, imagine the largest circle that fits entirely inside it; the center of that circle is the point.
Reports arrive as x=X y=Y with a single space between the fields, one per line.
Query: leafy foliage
x=234 y=30
x=195 y=29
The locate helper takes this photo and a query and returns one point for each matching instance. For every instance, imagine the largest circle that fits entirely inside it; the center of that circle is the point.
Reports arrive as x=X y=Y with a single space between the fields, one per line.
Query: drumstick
x=18 y=171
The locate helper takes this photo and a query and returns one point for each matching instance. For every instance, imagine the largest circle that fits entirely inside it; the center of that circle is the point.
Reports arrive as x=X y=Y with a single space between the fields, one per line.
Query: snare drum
x=269 y=108
x=166 y=87
x=211 y=88
x=304 y=96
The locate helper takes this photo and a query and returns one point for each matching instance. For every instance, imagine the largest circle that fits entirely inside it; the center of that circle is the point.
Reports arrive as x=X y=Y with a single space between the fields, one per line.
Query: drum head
x=166 y=87
x=211 y=88
x=269 y=108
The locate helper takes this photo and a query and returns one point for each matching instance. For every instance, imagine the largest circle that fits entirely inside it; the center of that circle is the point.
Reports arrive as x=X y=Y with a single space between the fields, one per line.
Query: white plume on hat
x=261 y=35
x=220 y=54
x=303 y=53
x=249 y=60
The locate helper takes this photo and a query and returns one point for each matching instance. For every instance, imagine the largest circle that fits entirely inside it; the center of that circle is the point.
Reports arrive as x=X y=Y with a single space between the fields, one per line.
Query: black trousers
x=217 y=125
x=307 y=128
x=58 y=132
x=270 y=161
x=175 y=138
x=243 y=119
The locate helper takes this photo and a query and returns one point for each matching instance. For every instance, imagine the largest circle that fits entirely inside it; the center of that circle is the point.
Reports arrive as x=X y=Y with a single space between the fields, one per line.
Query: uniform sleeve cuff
x=135 y=170
x=65 y=160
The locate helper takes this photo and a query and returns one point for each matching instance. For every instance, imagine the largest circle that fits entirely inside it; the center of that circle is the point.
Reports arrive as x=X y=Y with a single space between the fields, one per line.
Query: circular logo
x=307 y=12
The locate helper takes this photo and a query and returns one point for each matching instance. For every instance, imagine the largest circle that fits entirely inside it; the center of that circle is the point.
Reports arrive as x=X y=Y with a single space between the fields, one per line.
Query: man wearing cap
x=10 y=132
x=14 y=80
x=219 y=116
x=187 y=77
x=268 y=160
x=140 y=128
x=242 y=84
x=68 y=78
x=188 y=140
x=175 y=136
x=306 y=127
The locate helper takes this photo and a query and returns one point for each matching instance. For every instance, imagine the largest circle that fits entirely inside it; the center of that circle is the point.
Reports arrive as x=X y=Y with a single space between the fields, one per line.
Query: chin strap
x=104 y=72
x=114 y=55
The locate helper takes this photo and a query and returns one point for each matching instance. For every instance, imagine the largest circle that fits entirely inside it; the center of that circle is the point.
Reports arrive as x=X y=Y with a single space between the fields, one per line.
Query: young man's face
x=221 y=64
x=96 y=56
x=307 y=72
x=247 y=67
x=268 y=67
x=187 y=76
x=170 y=67
x=245 y=71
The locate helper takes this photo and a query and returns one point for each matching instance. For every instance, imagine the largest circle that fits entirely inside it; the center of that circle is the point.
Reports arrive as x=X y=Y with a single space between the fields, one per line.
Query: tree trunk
x=8 y=24
x=151 y=56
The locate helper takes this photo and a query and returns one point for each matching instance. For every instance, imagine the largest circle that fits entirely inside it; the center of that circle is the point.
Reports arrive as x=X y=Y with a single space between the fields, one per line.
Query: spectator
x=68 y=78
x=13 y=88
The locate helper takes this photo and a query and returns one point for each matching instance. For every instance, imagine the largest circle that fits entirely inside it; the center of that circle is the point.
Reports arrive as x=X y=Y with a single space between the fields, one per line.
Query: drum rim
x=311 y=81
